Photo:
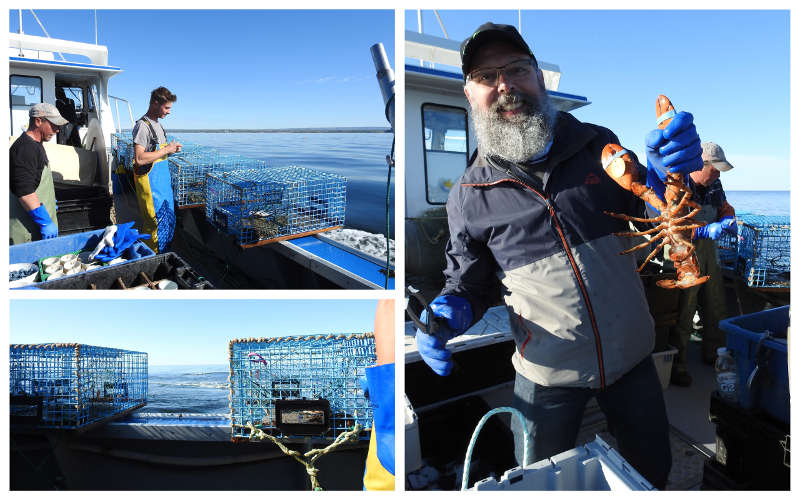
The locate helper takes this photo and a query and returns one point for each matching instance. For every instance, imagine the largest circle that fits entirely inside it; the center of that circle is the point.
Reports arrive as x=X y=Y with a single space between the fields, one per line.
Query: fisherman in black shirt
x=32 y=201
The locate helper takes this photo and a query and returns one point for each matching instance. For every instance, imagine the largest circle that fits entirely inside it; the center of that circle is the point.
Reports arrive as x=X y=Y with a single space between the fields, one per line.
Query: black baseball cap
x=490 y=32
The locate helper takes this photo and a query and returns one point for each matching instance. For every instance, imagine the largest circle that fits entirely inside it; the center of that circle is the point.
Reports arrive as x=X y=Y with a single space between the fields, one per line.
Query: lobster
x=675 y=223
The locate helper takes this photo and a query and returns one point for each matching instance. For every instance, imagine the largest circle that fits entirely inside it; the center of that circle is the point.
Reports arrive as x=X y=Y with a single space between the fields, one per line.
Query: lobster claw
x=620 y=166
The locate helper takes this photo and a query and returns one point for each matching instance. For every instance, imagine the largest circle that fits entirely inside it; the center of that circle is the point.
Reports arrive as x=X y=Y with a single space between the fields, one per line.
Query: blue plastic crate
x=69 y=386
x=763 y=257
x=264 y=204
x=769 y=390
x=330 y=367
x=35 y=250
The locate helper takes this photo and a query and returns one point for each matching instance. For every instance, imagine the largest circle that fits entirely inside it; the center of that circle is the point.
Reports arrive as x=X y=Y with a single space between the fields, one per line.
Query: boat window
x=445 y=137
x=76 y=94
x=25 y=90
x=90 y=97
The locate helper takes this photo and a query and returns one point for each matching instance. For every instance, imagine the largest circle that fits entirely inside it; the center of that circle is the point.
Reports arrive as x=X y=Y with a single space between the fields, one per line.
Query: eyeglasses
x=515 y=70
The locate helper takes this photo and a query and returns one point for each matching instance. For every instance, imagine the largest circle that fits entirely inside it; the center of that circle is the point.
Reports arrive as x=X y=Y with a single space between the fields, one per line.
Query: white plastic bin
x=412 y=452
x=594 y=466
x=663 y=362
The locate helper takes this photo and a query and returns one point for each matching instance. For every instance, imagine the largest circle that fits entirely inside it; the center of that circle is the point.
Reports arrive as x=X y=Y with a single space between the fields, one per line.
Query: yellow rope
x=352 y=435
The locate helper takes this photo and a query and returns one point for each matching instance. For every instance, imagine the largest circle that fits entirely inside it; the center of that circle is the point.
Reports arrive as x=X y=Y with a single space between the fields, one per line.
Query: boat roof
x=38 y=52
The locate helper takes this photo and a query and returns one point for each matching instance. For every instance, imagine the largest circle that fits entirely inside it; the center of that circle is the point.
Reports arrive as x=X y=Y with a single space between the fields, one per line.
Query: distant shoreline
x=314 y=130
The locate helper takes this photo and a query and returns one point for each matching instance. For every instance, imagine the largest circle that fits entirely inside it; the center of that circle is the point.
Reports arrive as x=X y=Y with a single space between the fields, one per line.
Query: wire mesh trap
x=300 y=386
x=266 y=204
x=764 y=258
x=69 y=386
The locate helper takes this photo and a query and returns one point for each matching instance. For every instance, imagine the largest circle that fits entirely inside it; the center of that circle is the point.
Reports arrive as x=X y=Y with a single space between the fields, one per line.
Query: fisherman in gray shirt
x=151 y=176
x=148 y=133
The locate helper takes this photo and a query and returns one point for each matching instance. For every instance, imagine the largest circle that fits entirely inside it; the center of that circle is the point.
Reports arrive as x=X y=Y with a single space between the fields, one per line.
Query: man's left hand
x=714 y=230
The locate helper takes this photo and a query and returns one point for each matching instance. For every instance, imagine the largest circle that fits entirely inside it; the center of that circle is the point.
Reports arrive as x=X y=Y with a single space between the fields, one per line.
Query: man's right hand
x=42 y=219
x=174 y=147
x=458 y=315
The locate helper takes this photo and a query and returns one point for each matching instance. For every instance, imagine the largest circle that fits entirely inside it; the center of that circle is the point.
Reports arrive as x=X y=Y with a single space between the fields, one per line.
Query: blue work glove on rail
x=124 y=238
x=458 y=315
x=675 y=149
x=714 y=230
x=42 y=219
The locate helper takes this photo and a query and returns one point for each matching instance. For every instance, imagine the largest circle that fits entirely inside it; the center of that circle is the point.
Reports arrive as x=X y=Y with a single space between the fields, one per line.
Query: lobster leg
x=652 y=254
x=632 y=218
x=646 y=243
x=687 y=216
x=641 y=233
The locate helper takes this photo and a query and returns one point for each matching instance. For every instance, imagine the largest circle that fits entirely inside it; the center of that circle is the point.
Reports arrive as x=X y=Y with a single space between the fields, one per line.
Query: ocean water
x=361 y=157
x=760 y=202
x=187 y=389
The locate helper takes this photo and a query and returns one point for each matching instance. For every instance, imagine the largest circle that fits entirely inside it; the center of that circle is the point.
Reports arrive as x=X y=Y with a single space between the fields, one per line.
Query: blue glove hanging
x=675 y=149
x=458 y=313
x=47 y=227
x=714 y=230
x=124 y=238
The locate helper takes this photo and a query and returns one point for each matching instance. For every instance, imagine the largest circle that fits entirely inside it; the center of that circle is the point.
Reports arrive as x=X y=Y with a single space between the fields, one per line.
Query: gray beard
x=520 y=138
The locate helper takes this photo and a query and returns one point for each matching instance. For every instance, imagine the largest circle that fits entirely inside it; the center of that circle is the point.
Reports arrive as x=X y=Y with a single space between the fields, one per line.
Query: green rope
x=258 y=434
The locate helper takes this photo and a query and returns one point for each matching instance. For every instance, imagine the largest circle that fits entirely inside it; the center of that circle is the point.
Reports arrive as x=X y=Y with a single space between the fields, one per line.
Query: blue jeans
x=634 y=409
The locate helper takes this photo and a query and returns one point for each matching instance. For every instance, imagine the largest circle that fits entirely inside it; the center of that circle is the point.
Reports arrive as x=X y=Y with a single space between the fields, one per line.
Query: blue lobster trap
x=70 y=386
x=763 y=251
x=122 y=151
x=300 y=386
x=262 y=205
x=188 y=171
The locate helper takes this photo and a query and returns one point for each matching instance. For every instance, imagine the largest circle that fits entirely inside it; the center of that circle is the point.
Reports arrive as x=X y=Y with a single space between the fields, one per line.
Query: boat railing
x=117 y=124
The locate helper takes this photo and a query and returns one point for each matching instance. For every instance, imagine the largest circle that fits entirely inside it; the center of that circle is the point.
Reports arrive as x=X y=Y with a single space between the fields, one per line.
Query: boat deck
x=692 y=434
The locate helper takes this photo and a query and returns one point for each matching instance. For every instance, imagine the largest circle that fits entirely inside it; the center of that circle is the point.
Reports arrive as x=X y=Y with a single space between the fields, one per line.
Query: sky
x=730 y=69
x=236 y=68
x=176 y=332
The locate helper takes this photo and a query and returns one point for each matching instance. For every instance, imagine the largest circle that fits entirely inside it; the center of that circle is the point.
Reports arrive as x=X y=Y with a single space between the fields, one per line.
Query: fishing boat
x=79 y=419
x=442 y=412
x=83 y=158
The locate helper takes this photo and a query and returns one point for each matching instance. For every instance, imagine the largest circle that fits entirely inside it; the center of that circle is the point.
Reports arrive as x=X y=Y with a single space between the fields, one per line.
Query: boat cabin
x=40 y=72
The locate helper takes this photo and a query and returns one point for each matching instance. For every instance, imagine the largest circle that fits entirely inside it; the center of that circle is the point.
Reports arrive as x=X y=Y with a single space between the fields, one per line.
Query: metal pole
x=441 y=24
x=95 y=26
x=519 y=20
x=419 y=30
x=385 y=76
x=20 y=22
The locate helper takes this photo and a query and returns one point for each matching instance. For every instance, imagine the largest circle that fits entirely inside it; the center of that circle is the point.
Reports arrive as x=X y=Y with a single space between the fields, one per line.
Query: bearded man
x=527 y=215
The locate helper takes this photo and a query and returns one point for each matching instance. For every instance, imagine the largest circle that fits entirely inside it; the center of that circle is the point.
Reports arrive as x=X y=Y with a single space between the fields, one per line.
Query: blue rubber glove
x=714 y=230
x=675 y=149
x=458 y=313
x=46 y=225
x=124 y=238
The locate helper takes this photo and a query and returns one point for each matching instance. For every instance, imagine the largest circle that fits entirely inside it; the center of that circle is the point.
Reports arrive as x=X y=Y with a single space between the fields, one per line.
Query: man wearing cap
x=720 y=218
x=32 y=209
x=529 y=212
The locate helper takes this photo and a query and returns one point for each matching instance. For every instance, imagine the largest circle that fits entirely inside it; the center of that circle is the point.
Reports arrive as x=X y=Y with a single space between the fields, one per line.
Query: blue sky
x=730 y=69
x=182 y=331
x=239 y=69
